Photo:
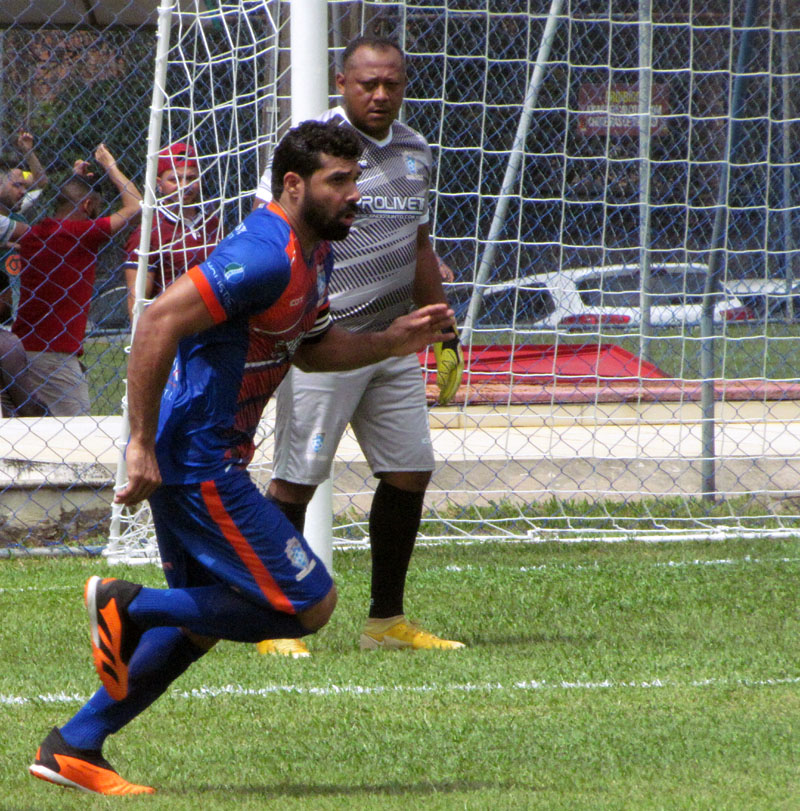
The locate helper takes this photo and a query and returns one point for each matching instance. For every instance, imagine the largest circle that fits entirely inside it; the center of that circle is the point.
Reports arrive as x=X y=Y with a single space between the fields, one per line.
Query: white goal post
x=579 y=147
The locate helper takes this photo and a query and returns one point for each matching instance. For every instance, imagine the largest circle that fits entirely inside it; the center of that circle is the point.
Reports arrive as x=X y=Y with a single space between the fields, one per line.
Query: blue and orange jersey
x=266 y=299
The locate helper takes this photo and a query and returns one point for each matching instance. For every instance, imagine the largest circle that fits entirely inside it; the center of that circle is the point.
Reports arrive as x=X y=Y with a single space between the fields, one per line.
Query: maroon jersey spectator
x=183 y=233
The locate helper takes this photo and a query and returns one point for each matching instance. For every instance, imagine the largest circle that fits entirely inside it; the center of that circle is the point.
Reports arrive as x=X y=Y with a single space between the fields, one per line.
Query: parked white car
x=768 y=298
x=609 y=296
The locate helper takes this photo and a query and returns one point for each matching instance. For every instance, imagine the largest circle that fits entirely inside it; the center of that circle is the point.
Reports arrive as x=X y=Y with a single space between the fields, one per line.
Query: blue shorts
x=227 y=531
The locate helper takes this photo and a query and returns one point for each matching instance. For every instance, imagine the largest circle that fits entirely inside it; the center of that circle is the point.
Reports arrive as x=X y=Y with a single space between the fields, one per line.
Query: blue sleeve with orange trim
x=247 y=272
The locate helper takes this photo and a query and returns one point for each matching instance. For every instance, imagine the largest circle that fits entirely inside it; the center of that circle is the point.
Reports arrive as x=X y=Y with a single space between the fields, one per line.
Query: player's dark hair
x=371 y=41
x=74 y=190
x=300 y=149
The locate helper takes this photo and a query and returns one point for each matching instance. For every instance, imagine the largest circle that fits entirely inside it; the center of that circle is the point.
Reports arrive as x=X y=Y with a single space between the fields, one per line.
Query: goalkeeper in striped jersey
x=384 y=268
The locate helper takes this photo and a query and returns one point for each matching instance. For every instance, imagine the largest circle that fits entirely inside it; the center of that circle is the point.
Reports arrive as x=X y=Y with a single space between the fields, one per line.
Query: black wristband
x=451 y=344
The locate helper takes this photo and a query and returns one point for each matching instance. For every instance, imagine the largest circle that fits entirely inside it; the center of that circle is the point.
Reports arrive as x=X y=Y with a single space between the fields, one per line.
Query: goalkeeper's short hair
x=299 y=150
x=374 y=41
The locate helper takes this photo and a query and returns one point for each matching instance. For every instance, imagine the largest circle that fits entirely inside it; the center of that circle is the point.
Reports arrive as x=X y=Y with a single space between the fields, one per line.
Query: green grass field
x=598 y=676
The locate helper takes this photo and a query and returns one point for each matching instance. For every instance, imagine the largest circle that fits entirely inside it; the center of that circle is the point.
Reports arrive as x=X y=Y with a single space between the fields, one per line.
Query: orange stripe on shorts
x=269 y=588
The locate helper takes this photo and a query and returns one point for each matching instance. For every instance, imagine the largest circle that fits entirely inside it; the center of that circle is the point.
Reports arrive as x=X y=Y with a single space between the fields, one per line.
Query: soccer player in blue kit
x=206 y=357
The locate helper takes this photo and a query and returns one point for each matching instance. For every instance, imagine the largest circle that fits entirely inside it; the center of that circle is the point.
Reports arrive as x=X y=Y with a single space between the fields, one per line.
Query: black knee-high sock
x=393 y=525
x=296 y=513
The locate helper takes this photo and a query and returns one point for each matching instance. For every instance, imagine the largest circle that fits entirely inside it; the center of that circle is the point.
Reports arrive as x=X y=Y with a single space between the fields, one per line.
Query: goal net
x=616 y=190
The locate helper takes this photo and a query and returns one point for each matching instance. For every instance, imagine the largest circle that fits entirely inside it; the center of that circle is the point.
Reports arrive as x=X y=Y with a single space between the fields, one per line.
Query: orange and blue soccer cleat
x=114 y=635
x=84 y=769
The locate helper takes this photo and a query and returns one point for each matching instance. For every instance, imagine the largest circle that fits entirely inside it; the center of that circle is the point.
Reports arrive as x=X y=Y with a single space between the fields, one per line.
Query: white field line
x=747 y=559
x=237 y=690
x=540 y=537
x=533 y=537
x=454 y=567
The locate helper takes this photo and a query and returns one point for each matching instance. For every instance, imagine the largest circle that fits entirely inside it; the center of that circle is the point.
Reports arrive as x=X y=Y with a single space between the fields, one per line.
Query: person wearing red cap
x=183 y=232
x=58 y=258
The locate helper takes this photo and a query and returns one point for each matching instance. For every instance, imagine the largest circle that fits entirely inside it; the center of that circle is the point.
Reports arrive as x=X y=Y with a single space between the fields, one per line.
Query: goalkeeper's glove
x=449 y=368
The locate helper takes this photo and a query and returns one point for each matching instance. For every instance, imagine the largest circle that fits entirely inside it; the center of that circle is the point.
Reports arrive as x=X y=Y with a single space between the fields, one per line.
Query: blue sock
x=216 y=611
x=161 y=656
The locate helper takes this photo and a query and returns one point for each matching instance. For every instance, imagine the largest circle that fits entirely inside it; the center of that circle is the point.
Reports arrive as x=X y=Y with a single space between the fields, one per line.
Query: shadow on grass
x=530 y=639
x=279 y=790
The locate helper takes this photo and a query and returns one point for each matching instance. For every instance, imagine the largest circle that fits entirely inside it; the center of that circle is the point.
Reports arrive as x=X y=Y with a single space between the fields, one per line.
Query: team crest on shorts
x=298 y=558
x=317 y=441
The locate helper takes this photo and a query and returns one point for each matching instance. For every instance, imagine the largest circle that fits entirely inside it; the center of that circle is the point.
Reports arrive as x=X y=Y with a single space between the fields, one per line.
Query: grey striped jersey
x=375 y=266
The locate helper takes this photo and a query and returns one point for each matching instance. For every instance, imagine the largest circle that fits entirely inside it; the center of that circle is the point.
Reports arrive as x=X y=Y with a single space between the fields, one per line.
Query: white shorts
x=384 y=403
x=59 y=382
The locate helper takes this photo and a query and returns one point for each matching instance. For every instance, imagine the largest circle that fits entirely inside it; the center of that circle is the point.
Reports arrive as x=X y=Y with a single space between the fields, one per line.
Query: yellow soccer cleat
x=295 y=648
x=397 y=633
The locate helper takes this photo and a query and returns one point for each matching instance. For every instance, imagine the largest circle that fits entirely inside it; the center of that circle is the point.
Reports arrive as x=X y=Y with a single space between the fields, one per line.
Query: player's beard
x=325 y=226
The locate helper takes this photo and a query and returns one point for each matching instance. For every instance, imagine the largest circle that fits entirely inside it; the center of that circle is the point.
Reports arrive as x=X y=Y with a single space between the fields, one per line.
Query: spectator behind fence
x=59 y=255
x=18 y=191
x=183 y=232
x=15 y=399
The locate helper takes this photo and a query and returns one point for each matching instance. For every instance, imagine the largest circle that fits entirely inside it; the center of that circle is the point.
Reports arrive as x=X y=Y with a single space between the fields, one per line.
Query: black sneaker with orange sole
x=114 y=635
x=83 y=769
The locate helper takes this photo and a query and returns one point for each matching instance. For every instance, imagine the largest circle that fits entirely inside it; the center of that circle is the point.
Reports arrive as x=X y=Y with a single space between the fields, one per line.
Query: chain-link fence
x=585 y=154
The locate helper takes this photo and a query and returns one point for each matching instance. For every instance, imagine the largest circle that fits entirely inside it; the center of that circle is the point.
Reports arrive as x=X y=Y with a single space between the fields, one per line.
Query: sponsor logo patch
x=234 y=271
x=385 y=204
x=13 y=264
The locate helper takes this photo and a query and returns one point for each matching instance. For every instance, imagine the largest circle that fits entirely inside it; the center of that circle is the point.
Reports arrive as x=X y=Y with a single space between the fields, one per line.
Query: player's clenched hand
x=104 y=157
x=24 y=142
x=413 y=332
x=143 y=474
x=82 y=168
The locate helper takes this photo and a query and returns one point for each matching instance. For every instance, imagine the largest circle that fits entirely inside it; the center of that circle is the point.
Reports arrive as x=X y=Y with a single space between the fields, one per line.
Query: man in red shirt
x=59 y=255
x=183 y=232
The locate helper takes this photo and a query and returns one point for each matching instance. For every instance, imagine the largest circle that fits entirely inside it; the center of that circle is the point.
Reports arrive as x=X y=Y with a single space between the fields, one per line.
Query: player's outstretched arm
x=25 y=146
x=179 y=311
x=130 y=196
x=340 y=350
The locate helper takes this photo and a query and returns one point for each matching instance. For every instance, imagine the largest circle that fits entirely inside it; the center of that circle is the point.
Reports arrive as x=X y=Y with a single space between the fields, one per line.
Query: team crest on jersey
x=317 y=442
x=234 y=271
x=298 y=558
x=412 y=168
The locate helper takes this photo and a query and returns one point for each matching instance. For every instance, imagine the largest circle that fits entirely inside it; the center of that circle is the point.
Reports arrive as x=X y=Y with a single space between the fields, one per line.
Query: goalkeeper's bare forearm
x=340 y=350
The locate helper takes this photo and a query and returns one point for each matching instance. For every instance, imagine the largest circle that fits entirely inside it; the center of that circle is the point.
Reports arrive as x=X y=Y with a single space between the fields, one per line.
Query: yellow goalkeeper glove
x=449 y=368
